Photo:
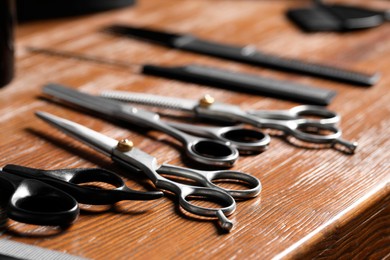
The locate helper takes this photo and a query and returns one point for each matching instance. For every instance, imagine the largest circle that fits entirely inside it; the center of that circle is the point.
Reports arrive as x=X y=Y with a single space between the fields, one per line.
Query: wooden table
x=314 y=203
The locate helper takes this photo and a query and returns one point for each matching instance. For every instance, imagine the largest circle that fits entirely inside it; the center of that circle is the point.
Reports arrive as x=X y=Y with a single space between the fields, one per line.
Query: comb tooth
x=144 y=99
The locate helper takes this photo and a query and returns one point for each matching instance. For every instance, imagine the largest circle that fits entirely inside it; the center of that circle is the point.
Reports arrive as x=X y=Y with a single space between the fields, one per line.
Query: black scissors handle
x=71 y=180
x=35 y=202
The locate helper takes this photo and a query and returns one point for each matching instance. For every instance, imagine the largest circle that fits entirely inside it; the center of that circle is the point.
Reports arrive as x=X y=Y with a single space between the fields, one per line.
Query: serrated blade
x=182 y=104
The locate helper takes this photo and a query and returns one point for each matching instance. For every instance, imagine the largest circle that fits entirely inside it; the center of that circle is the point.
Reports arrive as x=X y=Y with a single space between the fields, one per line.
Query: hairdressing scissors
x=200 y=149
x=51 y=197
x=313 y=124
x=129 y=156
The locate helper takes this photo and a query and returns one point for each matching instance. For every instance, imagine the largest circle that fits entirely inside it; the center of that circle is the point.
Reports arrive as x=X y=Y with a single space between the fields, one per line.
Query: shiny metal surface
x=245 y=140
x=202 y=150
x=136 y=158
x=313 y=114
x=318 y=128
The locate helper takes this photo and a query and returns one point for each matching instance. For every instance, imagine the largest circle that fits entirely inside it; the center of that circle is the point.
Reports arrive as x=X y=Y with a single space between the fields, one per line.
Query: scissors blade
x=94 y=103
x=143 y=161
x=182 y=104
x=134 y=159
x=97 y=141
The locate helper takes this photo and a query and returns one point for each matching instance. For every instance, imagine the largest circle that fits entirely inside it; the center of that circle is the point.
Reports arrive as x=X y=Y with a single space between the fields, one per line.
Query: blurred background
x=43 y=9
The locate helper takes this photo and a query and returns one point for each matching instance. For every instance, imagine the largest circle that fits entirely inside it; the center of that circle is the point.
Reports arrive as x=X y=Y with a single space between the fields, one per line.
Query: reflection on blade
x=92 y=138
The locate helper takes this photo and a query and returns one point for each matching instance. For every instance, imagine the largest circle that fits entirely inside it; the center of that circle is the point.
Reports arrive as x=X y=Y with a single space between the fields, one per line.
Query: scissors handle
x=312 y=114
x=246 y=140
x=301 y=129
x=205 y=189
x=188 y=194
x=316 y=133
x=74 y=182
x=228 y=204
x=212 y=179
x=203 y=150
x=236 y=177
x=35 y=202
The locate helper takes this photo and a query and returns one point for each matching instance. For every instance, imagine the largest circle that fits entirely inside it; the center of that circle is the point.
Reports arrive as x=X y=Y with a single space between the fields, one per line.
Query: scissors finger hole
x=97 y=178
x=45 y=204
x=212 y=149
x=314 y=136
x=316 y=113
x=206 y=202
x=98 y=185
x=244 y=135
x=182 y=179
x=44 y=209
x=313 y=114
x=239 y=185
x=211 y=203
x=232 y=184
x=94 y=209
x=318 y=130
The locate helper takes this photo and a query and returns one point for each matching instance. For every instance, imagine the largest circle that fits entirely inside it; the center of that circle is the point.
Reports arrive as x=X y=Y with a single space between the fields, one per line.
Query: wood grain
x=315 y=202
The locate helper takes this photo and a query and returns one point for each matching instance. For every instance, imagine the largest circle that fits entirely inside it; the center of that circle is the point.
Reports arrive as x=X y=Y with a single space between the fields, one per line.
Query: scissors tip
x=46 y=116
x=87 y=136
x=51 y=119
x=40 y=113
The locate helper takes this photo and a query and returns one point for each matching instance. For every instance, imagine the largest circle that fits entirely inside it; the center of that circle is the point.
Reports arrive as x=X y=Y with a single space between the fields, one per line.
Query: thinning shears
x=200 y=149
x=129 y=156
x=312 y=124
x=51 y=197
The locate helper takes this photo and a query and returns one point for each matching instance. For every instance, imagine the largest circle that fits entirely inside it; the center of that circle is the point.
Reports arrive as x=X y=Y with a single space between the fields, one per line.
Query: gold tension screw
x=125 y=145
x=206 y=101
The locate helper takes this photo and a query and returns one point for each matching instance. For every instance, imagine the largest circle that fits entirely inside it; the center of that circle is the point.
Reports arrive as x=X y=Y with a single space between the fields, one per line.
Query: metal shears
x=200 y=149
x=167 y=177
x=312 y=124
x=51 y=197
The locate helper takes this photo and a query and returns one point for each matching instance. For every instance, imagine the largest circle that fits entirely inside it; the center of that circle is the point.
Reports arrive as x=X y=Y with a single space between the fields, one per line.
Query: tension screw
x=206 y=101
x=125 y=145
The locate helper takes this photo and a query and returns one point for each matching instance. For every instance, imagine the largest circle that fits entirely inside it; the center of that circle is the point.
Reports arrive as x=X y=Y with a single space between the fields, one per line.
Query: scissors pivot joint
x=206 y=101
x=125 y=145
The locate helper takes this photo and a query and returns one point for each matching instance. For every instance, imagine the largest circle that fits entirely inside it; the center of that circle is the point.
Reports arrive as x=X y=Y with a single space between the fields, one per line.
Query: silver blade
x=134 y=159
x=97 y=141
x=182 y=104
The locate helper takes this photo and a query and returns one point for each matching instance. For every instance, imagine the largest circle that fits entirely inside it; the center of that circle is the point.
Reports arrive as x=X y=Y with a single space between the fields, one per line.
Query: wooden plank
x=314 y=201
